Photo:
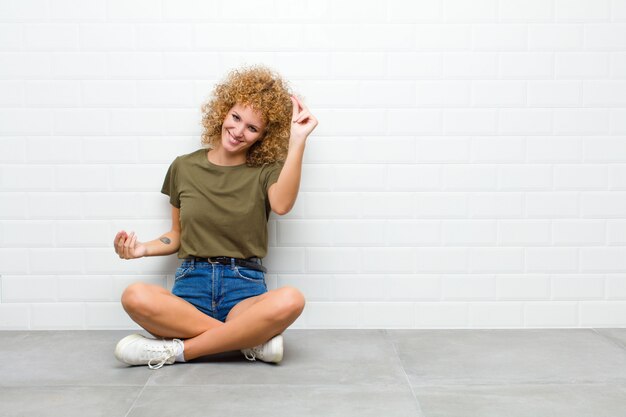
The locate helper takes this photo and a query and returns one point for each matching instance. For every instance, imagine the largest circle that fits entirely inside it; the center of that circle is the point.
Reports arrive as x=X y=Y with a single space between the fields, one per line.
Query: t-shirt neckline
x=212 y=165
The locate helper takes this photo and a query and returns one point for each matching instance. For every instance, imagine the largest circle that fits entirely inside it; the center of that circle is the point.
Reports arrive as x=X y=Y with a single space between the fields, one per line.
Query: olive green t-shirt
x=223 y=209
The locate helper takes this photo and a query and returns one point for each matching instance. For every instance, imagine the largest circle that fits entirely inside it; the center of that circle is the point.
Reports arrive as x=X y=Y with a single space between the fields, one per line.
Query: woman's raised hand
x=127 y=246
x=302 y=121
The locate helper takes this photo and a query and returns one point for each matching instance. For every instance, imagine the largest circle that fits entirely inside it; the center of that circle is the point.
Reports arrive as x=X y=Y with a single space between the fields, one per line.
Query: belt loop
x=193 y=261
x=232 y=263
x=212 y=266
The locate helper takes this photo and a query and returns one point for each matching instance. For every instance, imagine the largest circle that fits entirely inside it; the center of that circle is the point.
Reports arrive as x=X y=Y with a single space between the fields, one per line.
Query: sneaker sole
x=122 y=344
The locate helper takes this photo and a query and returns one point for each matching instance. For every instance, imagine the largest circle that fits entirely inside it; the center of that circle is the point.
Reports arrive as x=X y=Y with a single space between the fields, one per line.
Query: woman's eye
x=237 y=118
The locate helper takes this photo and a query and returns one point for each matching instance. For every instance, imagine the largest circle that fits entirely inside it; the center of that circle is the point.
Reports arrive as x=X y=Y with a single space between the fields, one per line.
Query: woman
x=221 y=199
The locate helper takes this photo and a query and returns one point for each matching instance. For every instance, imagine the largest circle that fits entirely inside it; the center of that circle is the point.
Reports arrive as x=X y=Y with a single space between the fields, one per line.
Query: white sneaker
x=271 y=351
x=139 y=350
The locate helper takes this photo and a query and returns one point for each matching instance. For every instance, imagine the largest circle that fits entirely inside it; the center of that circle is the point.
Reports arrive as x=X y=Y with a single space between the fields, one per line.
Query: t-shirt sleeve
x=170 y=185
x=271 y=174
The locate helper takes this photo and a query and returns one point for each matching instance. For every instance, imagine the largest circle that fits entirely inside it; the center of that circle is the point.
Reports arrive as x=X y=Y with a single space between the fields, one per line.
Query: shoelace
x=167 y=352
x=252 y=353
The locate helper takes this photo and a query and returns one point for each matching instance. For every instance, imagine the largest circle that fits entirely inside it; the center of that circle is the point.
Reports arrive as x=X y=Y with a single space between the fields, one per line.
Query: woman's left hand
x=302 y=121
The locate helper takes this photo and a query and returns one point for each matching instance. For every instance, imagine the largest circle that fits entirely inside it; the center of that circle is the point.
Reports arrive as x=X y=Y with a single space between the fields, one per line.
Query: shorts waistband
x=250 y=263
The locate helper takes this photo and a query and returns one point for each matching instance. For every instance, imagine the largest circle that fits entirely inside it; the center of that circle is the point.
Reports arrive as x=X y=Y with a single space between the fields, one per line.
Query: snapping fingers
x=133 y=244
x=118 y=243
x=303 y=116
x=300 y=103
x=127 y=245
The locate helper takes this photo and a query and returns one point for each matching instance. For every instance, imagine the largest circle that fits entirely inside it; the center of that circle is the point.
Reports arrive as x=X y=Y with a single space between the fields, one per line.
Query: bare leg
x=250 y=323
x=163 y=314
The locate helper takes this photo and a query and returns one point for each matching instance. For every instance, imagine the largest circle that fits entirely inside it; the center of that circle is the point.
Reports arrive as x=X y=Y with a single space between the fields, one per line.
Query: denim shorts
x=215 y=289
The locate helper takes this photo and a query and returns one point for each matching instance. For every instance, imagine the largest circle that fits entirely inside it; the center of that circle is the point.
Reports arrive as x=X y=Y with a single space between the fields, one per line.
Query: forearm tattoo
x=165 y=240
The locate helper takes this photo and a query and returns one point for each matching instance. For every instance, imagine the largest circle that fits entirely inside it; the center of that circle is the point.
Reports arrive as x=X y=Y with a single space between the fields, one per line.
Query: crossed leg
x=251 y=322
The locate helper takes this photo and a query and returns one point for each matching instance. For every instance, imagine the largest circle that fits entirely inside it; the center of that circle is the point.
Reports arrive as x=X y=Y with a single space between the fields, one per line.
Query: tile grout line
x=609 y=338
x=138 y=396
x=406 y=376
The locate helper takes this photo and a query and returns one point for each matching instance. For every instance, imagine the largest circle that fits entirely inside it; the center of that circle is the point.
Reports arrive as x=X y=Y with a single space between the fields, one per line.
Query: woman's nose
x=238 y=131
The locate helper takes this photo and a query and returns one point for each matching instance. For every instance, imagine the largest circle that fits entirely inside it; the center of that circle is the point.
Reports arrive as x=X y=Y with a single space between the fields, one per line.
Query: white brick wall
x=469 y=169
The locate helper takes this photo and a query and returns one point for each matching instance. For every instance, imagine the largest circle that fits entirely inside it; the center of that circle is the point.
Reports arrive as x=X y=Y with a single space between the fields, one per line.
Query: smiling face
x=242 y=127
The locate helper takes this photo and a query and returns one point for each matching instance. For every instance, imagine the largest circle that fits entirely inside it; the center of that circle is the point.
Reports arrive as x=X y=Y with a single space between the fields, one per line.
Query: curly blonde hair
x=264 y=91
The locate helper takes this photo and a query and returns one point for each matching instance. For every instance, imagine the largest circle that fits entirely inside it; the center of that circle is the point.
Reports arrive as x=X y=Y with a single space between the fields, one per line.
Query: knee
x=290 y=303
x=136 y=300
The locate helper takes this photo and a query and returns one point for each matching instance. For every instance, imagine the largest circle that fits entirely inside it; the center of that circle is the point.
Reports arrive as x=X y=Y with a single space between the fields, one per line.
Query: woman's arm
x=127 y=247
x=167 y=244
x=282 y=194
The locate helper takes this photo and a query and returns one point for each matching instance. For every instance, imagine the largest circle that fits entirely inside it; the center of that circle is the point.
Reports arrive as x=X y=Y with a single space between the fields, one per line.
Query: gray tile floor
x=499 y=373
